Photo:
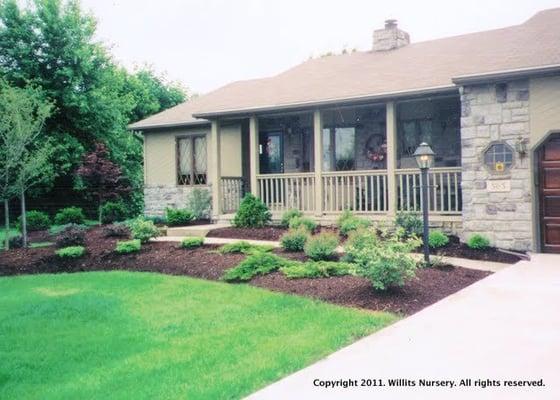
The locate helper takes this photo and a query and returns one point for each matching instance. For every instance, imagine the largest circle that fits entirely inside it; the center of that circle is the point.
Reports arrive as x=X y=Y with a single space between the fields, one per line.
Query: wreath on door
x=376 y=148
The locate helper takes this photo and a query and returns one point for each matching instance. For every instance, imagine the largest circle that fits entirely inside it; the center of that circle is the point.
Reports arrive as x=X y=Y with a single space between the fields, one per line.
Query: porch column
x=254 y=153
x=215 y=169
x=391 y=119
x=318 y=167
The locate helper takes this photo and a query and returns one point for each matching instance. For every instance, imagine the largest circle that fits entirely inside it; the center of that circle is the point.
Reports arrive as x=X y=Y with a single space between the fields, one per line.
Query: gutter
x=489 y=77
x=169 y=125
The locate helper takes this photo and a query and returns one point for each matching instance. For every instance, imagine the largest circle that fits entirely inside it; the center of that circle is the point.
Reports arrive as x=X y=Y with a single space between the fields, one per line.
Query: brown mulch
x=430 y=285
x=455 y=248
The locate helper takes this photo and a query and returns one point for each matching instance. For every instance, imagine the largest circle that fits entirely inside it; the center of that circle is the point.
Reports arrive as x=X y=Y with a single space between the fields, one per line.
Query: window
x=339 y=146
x=191 y=160
x=498 y=157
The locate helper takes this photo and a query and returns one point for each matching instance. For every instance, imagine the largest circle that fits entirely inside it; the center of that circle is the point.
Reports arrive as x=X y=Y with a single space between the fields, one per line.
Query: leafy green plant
x=388 y=262
x=56 y=229
x=288 y=215
x=357 y=241
x=199 y=202
x=113 y=212
x=437 y=239
x=318 y=269
x=192 y=242
x=410 y=222
x=156 y=219
x=178 y=216
x=143 y=229
x=116 y=230
x=259 y=263
x=70 y=215
x=71 y=235
x=294 y=239
x=321 y=247
x=478 y=242
x=128 y=246
x=71 y=252
x=306 y=222
x=36 y=221
x=349 y=222
x=243 y=247
x=252 y=213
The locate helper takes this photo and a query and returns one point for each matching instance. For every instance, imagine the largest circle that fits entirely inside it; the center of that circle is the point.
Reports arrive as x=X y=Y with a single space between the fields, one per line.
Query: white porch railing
x=232 y=193
x=281 y=192
x=444 y=196
x=360 y=191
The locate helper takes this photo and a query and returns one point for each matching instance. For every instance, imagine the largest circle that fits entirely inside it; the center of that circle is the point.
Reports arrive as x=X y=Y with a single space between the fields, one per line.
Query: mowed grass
x=126 y=335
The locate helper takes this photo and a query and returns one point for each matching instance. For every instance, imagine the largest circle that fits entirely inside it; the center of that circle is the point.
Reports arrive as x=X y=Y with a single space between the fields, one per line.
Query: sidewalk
x=506 y=326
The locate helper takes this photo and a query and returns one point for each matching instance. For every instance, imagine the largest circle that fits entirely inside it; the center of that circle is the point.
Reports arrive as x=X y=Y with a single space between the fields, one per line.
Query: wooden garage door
x=549 y=168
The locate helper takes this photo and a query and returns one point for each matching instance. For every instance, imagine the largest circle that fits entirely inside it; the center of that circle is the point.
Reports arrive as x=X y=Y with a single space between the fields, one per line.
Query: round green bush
x=70 y=215
x=178 y=216
x=113 y=212
x=192 y=242
x=321 y=247
x=353 y=224
x=294 y=239
x=410 y=222
x=288 y=215
x=437 y=239
x=36 y=221
x=306 y=222
x=71 y=252
x=252 y=213
x=478 y=242
x=143 y=229
x=128 y=246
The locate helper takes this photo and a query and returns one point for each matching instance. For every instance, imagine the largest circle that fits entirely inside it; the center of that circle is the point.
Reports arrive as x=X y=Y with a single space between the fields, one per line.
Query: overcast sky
x=208 y=43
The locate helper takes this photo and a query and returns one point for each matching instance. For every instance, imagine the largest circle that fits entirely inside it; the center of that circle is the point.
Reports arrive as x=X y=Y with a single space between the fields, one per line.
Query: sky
x=206 y=44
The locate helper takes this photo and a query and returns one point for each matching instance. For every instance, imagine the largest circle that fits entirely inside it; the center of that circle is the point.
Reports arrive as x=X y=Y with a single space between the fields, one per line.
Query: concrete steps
x=194 y=230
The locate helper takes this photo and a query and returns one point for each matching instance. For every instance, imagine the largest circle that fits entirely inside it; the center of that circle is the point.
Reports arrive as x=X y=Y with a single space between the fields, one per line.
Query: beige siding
x=160 y=153
x=544 y=107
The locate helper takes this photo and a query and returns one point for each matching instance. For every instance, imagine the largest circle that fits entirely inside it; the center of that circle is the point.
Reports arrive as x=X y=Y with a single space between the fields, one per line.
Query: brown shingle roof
x=418 y=66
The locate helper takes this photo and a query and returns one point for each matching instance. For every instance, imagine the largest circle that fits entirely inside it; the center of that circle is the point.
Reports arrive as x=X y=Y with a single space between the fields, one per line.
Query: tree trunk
x=7 y=221
x=23 y=219
x=99 y=212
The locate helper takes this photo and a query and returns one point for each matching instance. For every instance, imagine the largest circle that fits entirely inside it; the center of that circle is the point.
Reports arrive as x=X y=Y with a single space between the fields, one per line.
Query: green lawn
x=125 y=335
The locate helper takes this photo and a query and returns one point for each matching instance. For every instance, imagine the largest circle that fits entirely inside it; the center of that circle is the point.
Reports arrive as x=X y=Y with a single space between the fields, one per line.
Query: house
x=339 y=132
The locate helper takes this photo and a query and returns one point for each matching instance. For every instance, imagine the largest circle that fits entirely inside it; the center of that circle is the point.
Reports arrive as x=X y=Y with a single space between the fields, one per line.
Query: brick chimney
x=389 y=38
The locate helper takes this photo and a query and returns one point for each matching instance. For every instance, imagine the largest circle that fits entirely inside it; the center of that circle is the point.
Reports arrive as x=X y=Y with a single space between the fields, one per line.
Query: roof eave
x=497 y=76
x=134 y=127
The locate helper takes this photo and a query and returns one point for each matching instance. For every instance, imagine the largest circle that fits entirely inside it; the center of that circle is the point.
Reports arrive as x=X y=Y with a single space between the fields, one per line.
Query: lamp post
x=425 y=159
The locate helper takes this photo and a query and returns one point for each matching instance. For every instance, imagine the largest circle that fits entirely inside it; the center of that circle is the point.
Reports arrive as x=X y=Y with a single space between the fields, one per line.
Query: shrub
x=410 y=222
x=143 y=229
x=295 y=239
x=307 y=223
x=113 y=212
x=321 y=247
x=288 y=215
x=36 y=221
x=386 y=263
x=192 y=242
x=178 y=216
x=16 y=242
x=56 y=229
x=71 y=252
x=243 y=247
x=357 y=241
x=259 y=263
x=71 y=235
x=70 y=215
x=116 y=230
x=318 y=269
x=156 y=219
x=199 y=201
x=353 y=223
x=252 y=213
x=437 y=239
x=478 y=242
x=128 y=246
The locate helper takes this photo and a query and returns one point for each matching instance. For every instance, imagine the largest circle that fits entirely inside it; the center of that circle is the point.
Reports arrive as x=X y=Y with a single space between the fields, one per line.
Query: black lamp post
x=425 y=159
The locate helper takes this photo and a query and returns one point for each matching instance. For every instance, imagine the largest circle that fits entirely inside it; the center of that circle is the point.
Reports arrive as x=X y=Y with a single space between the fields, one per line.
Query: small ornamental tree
x=102 y=178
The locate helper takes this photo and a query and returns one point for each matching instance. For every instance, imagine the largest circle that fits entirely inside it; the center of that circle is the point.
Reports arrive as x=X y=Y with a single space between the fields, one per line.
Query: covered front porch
x=357 y=157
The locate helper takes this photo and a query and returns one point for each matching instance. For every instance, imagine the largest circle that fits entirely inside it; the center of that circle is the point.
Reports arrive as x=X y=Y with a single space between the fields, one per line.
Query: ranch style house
x=339 y=132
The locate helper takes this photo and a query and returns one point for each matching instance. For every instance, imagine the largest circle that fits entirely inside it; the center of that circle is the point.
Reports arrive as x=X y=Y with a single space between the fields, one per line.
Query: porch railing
x=444 y=195
x=232 y=189
x=360 y=191
x=281 y=192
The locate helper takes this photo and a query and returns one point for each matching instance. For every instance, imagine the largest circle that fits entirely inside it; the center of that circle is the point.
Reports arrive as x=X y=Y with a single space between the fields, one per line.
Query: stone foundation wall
x=158 y=197
x=493 y=113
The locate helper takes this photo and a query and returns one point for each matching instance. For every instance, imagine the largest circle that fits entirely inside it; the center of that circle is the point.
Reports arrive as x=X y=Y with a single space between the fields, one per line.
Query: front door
x=271 y=153
x=549 y=181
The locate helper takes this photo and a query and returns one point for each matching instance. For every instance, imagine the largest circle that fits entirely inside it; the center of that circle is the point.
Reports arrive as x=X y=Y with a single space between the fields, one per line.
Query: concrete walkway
x=505 y=327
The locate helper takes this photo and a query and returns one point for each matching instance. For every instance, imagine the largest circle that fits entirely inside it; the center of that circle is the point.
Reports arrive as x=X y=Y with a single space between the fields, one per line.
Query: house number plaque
x=502 y=185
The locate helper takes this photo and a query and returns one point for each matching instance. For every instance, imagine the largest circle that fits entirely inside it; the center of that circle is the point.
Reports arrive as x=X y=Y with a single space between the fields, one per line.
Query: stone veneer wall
x=490 y=113
x=158 y=197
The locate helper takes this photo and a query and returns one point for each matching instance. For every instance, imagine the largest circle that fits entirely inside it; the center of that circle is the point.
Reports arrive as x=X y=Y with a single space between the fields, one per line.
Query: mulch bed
x=457 y=249
x=430 y=285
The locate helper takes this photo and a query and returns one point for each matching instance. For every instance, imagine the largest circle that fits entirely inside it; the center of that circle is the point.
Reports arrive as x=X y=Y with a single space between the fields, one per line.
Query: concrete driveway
x=503 y=328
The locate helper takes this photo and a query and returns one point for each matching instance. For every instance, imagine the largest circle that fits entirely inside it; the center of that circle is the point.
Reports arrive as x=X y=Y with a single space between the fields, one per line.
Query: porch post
x=391 y=119
x=254 y=153
x=215 y=169
x=318 y=167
